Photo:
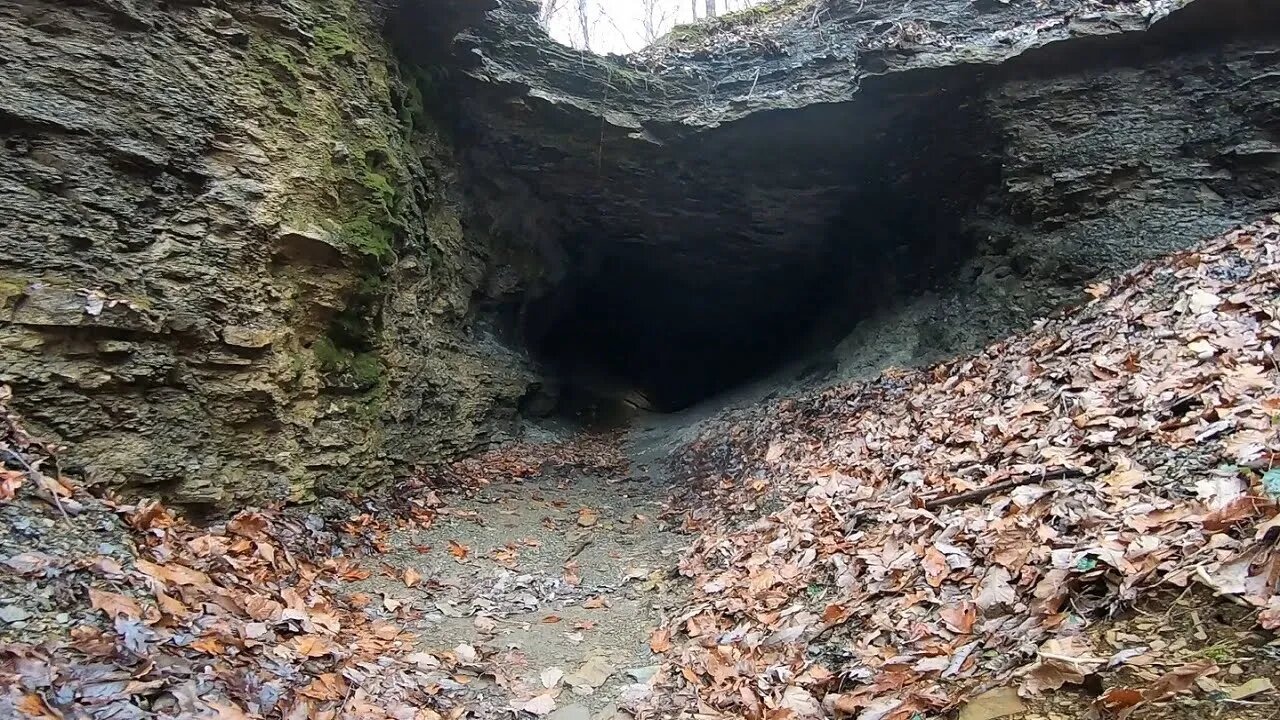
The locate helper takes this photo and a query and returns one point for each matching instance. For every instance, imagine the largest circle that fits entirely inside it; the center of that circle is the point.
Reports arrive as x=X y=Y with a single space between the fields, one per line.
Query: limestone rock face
x=233 y=266
x=944 y=169
x=274 y=250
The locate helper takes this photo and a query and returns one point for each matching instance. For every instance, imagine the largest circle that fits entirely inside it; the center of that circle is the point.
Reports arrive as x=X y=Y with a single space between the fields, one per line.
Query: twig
x=982 y=492
x=13 y=456
x=578 y=550
x=753 y=84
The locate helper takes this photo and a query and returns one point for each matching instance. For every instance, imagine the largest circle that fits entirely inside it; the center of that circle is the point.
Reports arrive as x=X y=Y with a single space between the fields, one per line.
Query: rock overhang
x=714 y=197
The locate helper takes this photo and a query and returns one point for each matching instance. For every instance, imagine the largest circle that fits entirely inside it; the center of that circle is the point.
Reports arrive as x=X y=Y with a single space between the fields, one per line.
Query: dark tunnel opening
x=665 y=327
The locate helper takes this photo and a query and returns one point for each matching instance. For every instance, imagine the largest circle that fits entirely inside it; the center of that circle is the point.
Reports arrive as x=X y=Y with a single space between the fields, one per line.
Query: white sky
x=617 y=26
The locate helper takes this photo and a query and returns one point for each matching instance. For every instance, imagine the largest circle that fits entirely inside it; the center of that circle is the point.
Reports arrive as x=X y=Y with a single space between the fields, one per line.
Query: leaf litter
x=944 y=532
x=938 y=541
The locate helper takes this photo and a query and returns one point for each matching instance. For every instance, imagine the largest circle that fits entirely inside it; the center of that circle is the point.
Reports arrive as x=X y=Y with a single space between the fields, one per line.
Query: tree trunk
x=711 y=8
x=584 y=24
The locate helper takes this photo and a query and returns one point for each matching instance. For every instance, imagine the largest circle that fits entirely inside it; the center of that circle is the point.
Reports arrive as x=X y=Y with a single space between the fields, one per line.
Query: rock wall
x=235 y=265
x=1126 y=150
x=945 y=170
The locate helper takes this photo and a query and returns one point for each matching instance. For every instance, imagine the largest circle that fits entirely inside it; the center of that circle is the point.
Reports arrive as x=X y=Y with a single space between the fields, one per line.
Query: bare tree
x=654 y=19
x=584 y=23
x=711 y=8
x=547 y=11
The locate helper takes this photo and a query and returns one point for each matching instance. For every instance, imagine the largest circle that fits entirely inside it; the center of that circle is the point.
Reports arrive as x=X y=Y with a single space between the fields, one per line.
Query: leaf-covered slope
x=940 y=529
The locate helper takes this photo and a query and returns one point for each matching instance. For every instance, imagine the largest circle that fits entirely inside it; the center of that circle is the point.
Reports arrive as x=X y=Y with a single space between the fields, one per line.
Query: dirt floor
x=562 y=577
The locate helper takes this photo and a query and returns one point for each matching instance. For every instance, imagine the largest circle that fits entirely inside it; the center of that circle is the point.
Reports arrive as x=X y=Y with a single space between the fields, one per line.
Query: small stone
x=246 y=337
x=577 y=711
x=593 y=673
x=643 y=674
x=62 y=618
x=13 y=615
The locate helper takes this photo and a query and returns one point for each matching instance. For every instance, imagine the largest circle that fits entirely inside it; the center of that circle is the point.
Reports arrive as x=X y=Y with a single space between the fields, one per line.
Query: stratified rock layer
x=948 y=168
x=234 y=264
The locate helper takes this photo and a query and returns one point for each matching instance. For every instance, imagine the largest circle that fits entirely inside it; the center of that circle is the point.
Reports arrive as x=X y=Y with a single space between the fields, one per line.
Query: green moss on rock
x=361 y=370
x=333 y=41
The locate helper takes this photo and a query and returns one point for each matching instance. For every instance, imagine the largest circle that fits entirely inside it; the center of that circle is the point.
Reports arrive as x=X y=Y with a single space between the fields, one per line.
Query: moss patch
x=755 y=15
x=333 y=42
x=359 y=370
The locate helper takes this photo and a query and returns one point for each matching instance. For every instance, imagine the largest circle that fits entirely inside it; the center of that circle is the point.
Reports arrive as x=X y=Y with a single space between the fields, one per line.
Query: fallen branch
x=992 y=489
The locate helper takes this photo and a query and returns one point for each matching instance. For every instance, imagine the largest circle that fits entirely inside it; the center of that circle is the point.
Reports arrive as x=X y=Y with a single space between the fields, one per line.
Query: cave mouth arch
x=630 y=330
x=761 y=245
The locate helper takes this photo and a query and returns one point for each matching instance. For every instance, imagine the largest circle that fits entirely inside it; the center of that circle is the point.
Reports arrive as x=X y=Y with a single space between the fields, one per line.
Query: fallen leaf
x=466 y=653
x=595 y=603
x=329 y=686
x=411 y=577
x=1256 y=686
x=10 y=481
x=209 y=645
x=173 y=573
x=1178 y=680
x=458 y=550
x=991 y=704
x=311 y=646
x=114 y=604
x=588 y=517
x=34 y=706
x=1119 y=701
x=541 y=705
x=660 y=641
x=935 y=567
x=995 y=589
x=551 y=677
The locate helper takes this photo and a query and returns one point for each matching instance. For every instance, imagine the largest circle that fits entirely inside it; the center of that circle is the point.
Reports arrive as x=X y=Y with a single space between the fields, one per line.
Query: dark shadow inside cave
x=761 y=248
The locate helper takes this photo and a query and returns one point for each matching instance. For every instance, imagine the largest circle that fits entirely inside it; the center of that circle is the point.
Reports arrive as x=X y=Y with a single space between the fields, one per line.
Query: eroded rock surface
x=234 y=263
x=254 y=252
x=717 y=192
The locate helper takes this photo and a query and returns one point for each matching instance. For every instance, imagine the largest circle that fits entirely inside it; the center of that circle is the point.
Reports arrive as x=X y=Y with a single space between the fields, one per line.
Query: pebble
x=13 y=615
x=577 y=711
x=642 y=674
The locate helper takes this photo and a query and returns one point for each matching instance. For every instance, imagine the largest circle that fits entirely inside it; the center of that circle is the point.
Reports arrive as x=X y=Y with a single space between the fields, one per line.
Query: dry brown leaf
x=660 y=641
x=997 y=703
x=1178 y=680
x=311 y=646
x=329 y=686
x=539 y=706
x=170 y=606
x=114 y=604
x=587 y=517
x=960 y=617
x=935 y=567
x=34 y=706
x=209 y=645
x=228 y=711
x=596 y=602
x=1118 y=701
x=174 y=573
x=458 y=550
x=10 y=481
x=411 y=577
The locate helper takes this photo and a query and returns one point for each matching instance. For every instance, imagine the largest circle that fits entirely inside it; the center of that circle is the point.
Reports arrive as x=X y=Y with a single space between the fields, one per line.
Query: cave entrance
x=760 y=245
